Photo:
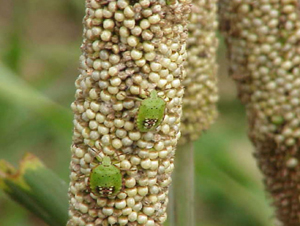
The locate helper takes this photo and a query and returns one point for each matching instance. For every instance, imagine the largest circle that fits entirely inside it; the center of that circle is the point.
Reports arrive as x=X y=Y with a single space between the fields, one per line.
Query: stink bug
x=170 y=2
x=150 y=113
x=105 y=179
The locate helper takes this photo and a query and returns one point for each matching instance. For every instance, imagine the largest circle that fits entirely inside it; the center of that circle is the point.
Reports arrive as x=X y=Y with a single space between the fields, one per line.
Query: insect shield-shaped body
x=150 y=113
x=105 y=179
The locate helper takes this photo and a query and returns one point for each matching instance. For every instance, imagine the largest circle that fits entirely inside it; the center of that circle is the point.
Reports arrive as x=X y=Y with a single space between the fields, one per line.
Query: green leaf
x=17 y=91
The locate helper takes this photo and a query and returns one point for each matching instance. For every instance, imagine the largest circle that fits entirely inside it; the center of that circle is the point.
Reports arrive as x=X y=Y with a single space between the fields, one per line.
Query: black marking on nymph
x=105 y=191
x=149 y=122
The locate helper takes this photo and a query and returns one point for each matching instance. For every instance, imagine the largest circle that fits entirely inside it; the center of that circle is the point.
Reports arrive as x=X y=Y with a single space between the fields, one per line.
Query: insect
x=170 y=2
x=105 y=179
x=150 y=113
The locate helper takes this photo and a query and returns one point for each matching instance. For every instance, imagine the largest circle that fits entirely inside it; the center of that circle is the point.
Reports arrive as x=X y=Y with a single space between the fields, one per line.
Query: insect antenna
x=96 y=154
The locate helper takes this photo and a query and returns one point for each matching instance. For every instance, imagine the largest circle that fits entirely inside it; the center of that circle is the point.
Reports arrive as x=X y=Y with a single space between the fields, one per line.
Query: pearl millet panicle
x=263 y=39
x=130 y=48
x=201 y=93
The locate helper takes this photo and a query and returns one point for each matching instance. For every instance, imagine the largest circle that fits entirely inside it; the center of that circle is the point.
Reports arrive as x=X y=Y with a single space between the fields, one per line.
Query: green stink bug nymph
x=150 y=113
x=105 y=179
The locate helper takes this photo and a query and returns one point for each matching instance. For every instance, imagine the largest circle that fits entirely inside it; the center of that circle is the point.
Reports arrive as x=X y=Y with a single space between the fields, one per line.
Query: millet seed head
x=130 y=48
x=263 y=41
x=201 y=93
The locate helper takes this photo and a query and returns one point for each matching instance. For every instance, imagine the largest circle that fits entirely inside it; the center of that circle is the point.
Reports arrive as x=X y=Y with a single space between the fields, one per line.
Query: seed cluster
x=129 y=49
x=264 y=49
x=201 y=94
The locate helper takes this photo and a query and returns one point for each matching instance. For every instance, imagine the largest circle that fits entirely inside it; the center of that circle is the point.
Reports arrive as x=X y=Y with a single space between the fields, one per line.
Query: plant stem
x=37 y=188
x=183 y=186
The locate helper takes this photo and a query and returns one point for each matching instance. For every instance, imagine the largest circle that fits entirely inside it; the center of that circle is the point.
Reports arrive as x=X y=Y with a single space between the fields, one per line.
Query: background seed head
x=263 y=43
x=201 y=93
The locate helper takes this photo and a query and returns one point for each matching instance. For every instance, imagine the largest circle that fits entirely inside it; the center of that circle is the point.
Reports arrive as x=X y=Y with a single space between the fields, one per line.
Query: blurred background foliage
x=39 y=54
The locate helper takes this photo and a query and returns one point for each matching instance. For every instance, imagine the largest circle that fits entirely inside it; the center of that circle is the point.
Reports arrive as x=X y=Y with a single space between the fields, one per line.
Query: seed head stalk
x=263 y=40
x=129 y=49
